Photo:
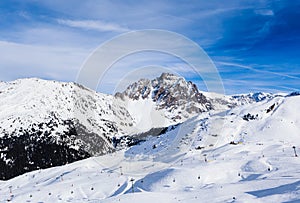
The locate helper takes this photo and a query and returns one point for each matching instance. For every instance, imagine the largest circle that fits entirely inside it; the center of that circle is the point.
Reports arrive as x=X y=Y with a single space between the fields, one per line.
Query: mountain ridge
x=247 y=154
x=82 y=123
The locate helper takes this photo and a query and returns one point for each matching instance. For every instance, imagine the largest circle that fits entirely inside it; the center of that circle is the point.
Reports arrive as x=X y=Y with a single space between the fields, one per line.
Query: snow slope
x=33 y=100
x=49 y=123
x=244 y=154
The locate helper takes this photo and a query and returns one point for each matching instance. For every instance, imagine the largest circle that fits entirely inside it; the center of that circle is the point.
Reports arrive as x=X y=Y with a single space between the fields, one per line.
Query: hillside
x=245 y=154
x=49 y=123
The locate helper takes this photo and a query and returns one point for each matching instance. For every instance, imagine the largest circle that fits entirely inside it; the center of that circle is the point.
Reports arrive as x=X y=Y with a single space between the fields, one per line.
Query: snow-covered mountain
x=169 y=92
x=181 y=99
x=253 y=97
x=248 y=153
x=49 y=123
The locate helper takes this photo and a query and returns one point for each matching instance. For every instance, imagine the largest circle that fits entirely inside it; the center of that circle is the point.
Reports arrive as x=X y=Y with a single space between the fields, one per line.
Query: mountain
x=253 y=97
x=248 y=153
x=169 y=92
x=178 y=98
x=49 y=123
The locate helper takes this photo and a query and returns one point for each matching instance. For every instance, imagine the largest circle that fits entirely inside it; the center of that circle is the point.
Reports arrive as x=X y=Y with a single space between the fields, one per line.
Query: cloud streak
x=21 y=60
x=97 y=25
x=255 y=42
x=257 y=70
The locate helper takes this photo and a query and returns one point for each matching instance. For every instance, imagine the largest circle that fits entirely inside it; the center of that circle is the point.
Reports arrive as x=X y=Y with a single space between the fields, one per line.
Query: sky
x=255 y=45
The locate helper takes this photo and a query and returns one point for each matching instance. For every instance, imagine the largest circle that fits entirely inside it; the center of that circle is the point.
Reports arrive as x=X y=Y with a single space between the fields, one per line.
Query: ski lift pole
x=132 y=188
x=296 y=155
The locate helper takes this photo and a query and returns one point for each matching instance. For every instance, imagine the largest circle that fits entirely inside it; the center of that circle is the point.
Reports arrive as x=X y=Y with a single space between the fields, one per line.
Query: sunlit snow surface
x=259 y=165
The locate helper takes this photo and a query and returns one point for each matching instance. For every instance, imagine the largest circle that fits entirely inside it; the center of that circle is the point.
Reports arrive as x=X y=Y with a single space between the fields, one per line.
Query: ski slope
x=192 y=162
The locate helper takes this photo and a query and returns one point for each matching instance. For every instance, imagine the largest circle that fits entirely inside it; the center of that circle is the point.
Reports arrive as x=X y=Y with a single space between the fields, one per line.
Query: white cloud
x=264 y=12
x=52 y=62
x=93 y=25
x=257 y=70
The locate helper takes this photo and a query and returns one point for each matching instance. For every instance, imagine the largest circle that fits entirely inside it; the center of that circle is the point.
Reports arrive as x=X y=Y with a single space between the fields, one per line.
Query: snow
x=38 y=101
x=259 y=165
x=145 y=115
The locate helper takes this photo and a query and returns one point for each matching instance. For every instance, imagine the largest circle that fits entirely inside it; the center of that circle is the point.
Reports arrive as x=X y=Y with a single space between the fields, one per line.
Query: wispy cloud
x=50 y=62
x=93 y=25
x=257 y=70
x=265 y=12
x=51 y=38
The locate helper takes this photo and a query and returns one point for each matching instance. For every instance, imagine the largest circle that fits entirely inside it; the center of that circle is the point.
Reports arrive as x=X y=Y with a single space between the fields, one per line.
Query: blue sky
x=254 y=44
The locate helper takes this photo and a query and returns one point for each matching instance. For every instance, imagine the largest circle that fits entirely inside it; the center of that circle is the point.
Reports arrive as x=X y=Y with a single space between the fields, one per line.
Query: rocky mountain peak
x=169 y=92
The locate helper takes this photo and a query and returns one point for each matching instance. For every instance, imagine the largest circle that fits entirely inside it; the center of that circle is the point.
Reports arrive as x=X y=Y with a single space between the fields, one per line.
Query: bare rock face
x=169 y=92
